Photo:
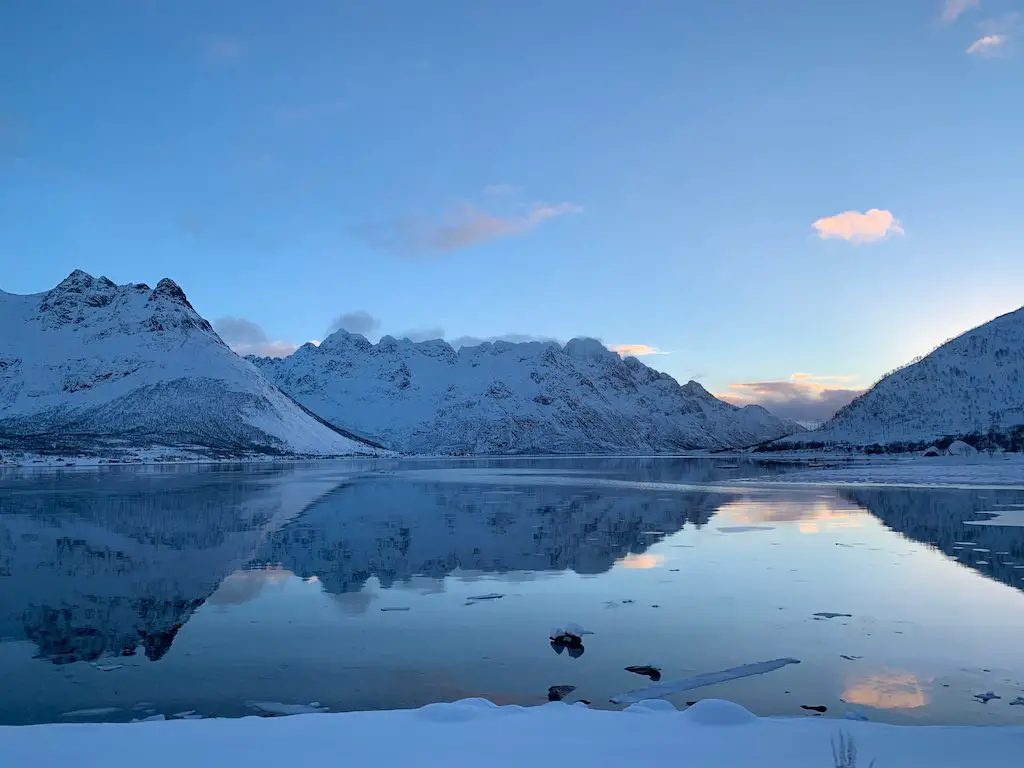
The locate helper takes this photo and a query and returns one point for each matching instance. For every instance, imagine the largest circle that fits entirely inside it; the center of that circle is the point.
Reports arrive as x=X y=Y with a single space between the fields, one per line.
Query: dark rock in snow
x=559 y=692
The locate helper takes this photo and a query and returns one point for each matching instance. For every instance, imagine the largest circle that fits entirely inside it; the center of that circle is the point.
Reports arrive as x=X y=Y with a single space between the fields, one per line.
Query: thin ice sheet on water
x=280 y=708
x=670 y=687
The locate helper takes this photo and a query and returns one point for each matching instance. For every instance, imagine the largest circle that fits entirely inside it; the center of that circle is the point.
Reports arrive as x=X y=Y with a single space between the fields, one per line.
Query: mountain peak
x=586 y=348
x=171 y=290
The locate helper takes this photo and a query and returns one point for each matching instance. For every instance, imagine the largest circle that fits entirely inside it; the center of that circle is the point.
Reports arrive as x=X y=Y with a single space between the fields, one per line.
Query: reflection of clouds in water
x=813 y=516
x=640 y=562
x=889 y=690
x=242 y=586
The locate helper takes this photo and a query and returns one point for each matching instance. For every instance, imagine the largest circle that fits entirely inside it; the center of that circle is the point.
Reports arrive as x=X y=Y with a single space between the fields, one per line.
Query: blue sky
x=755 y=189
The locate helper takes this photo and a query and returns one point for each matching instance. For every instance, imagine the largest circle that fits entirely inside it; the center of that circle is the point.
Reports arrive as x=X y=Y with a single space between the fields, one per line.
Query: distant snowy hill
x=505 y=398
x=970 y=384
x=91 y=366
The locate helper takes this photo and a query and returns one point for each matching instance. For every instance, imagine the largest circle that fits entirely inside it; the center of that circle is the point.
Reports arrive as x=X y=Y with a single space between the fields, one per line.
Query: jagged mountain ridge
x=92 y=366
x=510 y=398
x=970 y=384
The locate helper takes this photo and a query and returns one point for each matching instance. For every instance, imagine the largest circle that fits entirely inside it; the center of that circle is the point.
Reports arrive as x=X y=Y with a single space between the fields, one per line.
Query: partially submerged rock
x=559 y=692
x=646 y=670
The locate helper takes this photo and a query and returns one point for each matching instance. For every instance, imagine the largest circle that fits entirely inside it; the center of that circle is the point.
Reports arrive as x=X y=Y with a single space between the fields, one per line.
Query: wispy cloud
x=987 y=45
x=954 y=9
x=359 y=321
x=853 y=226
x=248 y=338
x=423 y=334
x=997 y=36
x=804 y=397
x=511 y=338
x=467 y=224
x=635 y=350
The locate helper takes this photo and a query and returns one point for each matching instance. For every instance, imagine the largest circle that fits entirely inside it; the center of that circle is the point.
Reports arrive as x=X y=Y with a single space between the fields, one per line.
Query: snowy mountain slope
x=505 y=398
x=969 y=384
x=93 y=366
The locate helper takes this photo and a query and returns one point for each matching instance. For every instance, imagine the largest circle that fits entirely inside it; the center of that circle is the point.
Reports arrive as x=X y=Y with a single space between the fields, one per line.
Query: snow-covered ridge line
x=510 y=398
x=98 y=369
x=972 y=386
x=476 y=732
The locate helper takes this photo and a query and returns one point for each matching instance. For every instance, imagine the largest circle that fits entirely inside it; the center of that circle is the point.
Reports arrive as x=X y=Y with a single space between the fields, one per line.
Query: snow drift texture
x=970 y=384
x=506 y=398
x=92 y=365
x=474 y=732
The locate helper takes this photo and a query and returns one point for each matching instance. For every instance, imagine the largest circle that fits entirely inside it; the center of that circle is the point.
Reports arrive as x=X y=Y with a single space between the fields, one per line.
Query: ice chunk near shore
x=280 y=709
x=671 y=687
x=93 y=712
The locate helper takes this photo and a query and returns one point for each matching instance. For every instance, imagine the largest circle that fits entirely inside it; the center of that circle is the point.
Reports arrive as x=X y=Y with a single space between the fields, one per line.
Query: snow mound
x=93 y=367
x=960 y=448
x=718 y=712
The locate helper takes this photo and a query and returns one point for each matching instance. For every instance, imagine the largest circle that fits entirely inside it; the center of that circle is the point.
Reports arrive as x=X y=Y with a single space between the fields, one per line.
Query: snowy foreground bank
x=475 y=732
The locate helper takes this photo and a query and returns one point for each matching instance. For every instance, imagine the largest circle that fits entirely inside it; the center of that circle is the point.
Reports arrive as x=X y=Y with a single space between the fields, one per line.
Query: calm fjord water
x=128 y=592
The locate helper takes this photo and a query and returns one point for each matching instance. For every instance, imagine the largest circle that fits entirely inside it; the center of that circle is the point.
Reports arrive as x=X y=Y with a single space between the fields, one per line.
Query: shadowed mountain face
x=940 y=518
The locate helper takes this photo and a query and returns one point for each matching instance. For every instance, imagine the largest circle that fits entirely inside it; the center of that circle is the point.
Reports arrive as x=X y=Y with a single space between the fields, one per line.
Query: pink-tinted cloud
x=470 y=226
x=803 y=397
x=954 y=9
x=853 y=226
x=987 y=45
x=465 y=226
x=635 y=350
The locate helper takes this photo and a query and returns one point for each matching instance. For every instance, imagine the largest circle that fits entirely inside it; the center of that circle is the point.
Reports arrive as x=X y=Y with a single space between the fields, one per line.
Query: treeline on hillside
x=992 y=441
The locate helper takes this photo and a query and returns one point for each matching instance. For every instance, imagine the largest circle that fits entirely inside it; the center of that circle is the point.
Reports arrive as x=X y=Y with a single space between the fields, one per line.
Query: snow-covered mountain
x=505 y=398
x=970 y=384
x=92 y=366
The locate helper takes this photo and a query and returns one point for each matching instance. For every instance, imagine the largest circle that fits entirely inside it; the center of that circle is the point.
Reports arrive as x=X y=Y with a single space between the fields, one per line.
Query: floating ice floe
x=481 y=598
x=660 y=690
x=93 y=712
x=279 y=708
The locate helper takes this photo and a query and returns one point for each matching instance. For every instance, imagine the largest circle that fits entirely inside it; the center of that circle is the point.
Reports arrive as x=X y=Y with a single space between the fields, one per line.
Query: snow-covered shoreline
x=167 y=457
x=476 y=732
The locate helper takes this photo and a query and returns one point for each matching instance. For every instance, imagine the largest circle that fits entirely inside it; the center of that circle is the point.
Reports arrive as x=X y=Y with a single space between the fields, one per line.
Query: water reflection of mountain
x=938 y=517
x=110 y=564
x=394 y=529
